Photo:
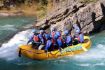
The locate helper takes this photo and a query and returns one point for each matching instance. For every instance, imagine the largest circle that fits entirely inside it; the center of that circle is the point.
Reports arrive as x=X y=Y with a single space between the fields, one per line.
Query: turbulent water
x=11 y=25
x=94 y=59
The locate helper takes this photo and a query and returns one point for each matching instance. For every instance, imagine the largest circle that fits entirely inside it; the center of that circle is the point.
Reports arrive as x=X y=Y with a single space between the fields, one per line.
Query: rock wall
x=90 y=17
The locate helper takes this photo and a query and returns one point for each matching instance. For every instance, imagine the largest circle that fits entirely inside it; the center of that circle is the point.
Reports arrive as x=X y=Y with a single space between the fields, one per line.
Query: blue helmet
x=77 y=31
x=54 y=29
x=33 y=30
x=75 y=26
x=41 y=31
x=66 y=32
x=58 y=33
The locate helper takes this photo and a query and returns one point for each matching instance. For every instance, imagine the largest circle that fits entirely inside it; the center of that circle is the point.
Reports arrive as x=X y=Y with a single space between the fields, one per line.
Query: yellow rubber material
x=28 y=51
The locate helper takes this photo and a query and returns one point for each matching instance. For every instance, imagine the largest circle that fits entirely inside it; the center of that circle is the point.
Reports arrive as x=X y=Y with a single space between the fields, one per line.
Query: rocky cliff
x=90 y=17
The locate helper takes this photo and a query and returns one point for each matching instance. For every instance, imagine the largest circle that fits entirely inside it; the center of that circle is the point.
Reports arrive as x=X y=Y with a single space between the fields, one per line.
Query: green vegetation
x=17 y=3
x=33 y=7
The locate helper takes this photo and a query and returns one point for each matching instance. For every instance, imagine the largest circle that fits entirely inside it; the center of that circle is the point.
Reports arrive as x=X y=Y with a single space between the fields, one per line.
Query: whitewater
x=94 y=59
x=9 y=50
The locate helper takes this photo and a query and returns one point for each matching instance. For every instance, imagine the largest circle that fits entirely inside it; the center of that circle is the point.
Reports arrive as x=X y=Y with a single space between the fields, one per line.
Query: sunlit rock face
x=90 y=17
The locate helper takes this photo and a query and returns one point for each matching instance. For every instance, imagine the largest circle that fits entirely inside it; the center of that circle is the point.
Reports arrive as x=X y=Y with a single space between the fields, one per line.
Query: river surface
x=11 y=25
x=94 y=59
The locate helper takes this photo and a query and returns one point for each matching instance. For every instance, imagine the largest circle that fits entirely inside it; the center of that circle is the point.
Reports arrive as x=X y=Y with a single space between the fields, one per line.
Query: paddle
x=84 y=49
x=19 y=54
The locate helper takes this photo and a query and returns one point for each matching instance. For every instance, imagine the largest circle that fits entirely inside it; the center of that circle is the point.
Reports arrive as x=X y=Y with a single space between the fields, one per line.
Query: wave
x=91 y=64
x=28 y=26
x=84 y=64
x=97 y=53
x=9 y=50
x=8 y=27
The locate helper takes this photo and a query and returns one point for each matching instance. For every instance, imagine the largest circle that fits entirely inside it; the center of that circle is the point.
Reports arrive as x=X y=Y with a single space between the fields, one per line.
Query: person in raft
x=79 y=36
x=46 y=36
x=68 y=38
x=55 y=40
x=53 y=36
x=34 y=40
x=42 y=39
x=48 y=44
x=59 y=40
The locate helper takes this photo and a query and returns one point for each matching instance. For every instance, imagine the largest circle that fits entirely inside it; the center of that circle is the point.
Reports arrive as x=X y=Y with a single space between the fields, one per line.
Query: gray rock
x=88 y=16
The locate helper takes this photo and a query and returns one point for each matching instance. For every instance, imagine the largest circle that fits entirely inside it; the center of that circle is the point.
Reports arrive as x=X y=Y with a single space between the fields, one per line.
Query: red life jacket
x=78 y=38
x=36 y=38
x=53 y=41
x=61 y=39
x=53 y=34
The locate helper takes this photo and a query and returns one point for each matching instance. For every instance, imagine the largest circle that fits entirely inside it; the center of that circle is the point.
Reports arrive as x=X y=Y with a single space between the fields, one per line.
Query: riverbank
x=39 y=11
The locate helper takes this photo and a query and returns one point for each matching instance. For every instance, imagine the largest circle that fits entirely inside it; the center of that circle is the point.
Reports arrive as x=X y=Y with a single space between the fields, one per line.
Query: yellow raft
x=28 y=51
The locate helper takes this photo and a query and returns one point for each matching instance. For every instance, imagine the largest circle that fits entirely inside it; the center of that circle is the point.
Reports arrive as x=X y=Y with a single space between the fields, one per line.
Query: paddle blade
x=84 y=49
x=19 y=54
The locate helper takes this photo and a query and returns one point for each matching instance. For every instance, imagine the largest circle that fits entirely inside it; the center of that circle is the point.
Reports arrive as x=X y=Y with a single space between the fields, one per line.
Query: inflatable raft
x=28 y=51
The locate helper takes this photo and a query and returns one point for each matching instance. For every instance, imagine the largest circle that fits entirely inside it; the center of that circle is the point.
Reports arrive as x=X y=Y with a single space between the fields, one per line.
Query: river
x=94 y=59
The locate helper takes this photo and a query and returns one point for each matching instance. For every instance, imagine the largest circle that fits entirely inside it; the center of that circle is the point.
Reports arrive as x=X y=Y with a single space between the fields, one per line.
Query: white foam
x=28 y=26
x=62 y=60
x=9 y=50
x=84 y=64
x=100 y=64
x=91 y=64
x=97 y=53
x=8 y=27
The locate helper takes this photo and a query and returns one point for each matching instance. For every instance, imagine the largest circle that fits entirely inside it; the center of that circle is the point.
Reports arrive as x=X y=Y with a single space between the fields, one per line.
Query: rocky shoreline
x=90 y=17
x=7 y=14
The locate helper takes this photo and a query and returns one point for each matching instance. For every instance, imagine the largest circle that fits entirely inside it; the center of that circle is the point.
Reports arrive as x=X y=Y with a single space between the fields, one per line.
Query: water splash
x=8 y=50
x=97 y=53
x=84 y=64
x=91 y=64
x=8 y=27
